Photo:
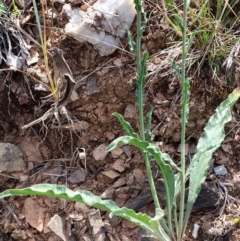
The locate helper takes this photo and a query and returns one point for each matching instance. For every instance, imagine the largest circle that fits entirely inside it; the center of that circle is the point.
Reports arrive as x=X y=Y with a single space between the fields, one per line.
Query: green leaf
x=15 y=10
x=209 y=141
x=2 y=9
x=131 y=43
x=143 y=71
x=144 y=24
x=190 y=41
x=159 y=214
x=38 y=21
x=185 y=100
x=125 y=125
x=165 y=168
x=178 y=22
x=177 y=184
x=148 y=133
x=175 y=69
x=169 y=183
x=144 y=146
x=60 y=191
x=138 y=5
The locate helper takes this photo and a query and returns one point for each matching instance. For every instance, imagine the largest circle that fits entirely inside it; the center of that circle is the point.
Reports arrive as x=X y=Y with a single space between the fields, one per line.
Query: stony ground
x=47 y=153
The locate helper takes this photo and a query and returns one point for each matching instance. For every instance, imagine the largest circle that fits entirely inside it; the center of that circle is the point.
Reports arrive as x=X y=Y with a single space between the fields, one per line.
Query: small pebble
x=220 y=170
x=117 y=152
x=127 y=151
x=77 y=177
x=195 y=231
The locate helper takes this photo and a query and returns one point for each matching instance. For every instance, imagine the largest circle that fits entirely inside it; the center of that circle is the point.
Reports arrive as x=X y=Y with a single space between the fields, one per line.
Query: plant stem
x=184 y=109
x=140 y=102
x=140 y=79
x=153 y=189
x=44 y=49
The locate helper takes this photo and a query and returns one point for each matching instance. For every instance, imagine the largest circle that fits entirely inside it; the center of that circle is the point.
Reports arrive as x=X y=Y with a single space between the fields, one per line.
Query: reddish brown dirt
x=49 y=151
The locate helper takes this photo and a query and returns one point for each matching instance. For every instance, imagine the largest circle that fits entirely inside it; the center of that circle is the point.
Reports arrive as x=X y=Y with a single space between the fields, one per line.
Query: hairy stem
x=184 y=103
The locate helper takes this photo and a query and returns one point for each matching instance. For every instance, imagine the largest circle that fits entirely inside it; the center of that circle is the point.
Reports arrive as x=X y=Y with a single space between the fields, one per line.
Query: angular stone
x=122 y=192
x=56 y=225
x=108 y=193
x=120 y=182
x=100 y=153
x=117 y=152
x=127 y=151
x=118 y=165
x=18 y=234
x=34 y=213
x=130 y=111
x=96 y=226
x=81 y=207
x=77 y=176
x=10 y=158
x=110 y=175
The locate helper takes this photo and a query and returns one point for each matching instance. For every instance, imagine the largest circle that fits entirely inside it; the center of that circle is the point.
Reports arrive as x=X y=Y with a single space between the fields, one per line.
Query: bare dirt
x=51 y=153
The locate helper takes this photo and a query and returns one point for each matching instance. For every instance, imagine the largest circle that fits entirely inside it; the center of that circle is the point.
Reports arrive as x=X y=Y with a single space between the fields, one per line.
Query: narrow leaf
x=143 y=71
x=60 y=191
x=175 y=69
x=38 y=21
x=148 y=133
x=131 y=42
x=165 y=169
x=185 y=100
x=3 y=9
x=125 y=125
x=144 y=145
x=15 y=10
x=138 y=5
x=144 y=24
x=178 y=22
x=210 y=140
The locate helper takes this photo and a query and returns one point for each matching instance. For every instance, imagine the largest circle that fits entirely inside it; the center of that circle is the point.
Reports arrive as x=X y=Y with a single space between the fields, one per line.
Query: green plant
x=43 y=39
x=15 y=10
x=2 y=9
x=171 y=225
x=213 y=27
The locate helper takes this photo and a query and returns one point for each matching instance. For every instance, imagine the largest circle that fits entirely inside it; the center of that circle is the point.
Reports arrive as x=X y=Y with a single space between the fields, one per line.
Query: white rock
x=220 y=170
x=195 y=230
x=56 y=225
x=100 y=153
x=102 y=24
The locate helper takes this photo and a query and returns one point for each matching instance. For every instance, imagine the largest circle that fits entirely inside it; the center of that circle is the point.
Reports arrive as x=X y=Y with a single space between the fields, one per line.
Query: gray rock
x=10 y=158
x=96 y=226
x=77 y=176
x=100 y=153
x=127 y=151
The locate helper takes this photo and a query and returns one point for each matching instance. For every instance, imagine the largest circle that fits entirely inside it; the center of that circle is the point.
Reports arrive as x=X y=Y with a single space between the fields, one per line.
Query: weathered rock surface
x=10 y=158
x=34 y=213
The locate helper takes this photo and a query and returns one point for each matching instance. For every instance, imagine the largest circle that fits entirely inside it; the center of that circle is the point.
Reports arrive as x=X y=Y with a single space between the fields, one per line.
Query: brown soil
x=51 y=152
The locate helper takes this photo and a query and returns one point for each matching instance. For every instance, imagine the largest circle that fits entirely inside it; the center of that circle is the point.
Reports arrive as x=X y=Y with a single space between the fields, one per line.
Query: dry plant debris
x=48 y=151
